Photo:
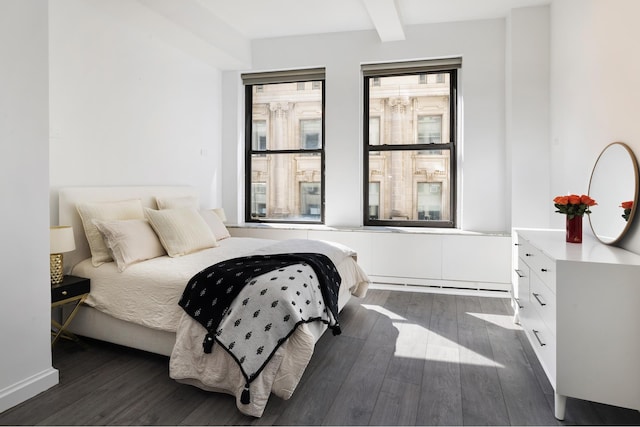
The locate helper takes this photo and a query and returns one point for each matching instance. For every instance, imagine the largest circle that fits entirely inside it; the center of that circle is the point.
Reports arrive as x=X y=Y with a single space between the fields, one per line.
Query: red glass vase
x=574 y=229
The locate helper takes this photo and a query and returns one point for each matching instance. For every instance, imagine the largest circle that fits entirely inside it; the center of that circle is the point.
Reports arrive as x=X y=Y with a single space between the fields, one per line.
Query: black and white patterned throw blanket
x=251 y=305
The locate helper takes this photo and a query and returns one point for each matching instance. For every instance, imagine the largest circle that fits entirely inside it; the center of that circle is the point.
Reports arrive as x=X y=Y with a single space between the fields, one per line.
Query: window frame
x=289 y=76
x=409 y=68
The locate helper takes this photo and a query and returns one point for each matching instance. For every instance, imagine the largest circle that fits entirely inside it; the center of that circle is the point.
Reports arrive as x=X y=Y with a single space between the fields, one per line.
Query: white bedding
x=137 y=295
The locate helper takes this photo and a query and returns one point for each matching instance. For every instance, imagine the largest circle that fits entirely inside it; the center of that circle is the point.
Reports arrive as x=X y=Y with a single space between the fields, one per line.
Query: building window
x=374 y=200
x=410 y=133
x=284 y=160
x=259 y=139
x=374 y=130
x=430 y=129
x=258 y=200
x=310 y=200
x=310 y=134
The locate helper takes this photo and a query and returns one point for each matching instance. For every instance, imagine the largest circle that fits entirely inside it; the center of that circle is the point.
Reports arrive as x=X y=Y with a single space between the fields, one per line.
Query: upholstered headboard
x=68 y=197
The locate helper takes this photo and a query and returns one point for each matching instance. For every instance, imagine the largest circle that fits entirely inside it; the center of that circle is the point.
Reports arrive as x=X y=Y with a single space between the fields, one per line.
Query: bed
x=134 y=302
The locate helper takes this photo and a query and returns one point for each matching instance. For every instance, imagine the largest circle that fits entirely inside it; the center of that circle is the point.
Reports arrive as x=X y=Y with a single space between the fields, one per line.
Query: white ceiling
x=255 y=19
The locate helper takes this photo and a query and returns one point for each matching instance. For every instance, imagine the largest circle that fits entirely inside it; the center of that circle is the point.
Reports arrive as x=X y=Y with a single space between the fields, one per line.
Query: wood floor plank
x=482 y=398
x=396 y=405
x=516 y=375
x=406 y=359
x=440 y=392
x=316 y=392
x=355 y=401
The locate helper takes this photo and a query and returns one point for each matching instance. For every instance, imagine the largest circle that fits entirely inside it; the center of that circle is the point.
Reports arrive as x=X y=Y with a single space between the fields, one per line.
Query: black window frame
x=422 y=67
x=277 y=77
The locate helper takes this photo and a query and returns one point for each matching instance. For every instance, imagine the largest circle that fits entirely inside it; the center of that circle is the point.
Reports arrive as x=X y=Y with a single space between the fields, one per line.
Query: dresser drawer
x=543 y=343
x=543 y=301
x=539 y=263
x=520 y=287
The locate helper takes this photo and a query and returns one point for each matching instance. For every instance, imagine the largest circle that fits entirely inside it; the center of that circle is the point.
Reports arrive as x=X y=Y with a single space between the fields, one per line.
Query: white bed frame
x=90 y=322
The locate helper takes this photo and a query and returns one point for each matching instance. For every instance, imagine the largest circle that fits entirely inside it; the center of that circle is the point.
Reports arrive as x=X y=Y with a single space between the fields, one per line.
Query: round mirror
x=614 y=186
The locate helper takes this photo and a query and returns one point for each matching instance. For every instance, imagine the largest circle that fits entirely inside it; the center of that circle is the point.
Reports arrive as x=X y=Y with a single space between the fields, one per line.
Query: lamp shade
x=61 y=239
x=220 y=213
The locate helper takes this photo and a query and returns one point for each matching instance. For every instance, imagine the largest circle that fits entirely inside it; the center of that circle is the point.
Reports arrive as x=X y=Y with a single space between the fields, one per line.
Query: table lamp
x=60 y=240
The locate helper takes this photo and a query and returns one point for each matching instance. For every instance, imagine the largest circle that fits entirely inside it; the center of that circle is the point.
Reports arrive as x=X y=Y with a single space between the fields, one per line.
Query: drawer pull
x=64 y=292
x=528 y=254
x=517 y=244
x=519 y=273
x=538 y=338
x=544 y=270
x=518 y=302
x=539 y=301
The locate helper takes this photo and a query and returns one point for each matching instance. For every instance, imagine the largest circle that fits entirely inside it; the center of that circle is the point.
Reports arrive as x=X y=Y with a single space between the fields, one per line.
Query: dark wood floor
x=402 y=359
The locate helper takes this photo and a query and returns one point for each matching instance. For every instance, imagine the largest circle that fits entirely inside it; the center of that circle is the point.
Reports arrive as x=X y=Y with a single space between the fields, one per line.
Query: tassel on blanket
x=336 y=330
x=245 y=396
x=207 y=344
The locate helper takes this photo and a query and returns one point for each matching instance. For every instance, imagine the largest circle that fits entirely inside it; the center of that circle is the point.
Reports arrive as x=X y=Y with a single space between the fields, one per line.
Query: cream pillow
x=177 y=202
x=215 y=224
x=130 y=241
x=126 y=209
x=181 y=231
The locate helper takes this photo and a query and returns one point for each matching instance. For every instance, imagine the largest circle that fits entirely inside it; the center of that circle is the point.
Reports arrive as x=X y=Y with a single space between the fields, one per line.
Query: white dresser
x=579 y=305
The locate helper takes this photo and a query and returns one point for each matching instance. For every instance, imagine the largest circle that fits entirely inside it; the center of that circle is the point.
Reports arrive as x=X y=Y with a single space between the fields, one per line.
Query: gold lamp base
x=55 y=264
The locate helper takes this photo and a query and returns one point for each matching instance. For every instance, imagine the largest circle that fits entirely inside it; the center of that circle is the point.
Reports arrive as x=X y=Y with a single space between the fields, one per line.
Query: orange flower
x=627 y=205
x=574 y=199
x=587 y=200
x=561 y=200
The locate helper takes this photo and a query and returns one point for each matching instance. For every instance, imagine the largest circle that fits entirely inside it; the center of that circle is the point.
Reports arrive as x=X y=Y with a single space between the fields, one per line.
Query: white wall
x=482 y=145
x=126 y=107
x=595 y=87
x=25 y=349
x=527 y=117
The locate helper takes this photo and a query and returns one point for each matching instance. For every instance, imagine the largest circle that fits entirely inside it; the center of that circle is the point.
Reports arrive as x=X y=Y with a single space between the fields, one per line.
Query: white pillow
x=177 y=202
x=215 y=224
x=130 y=241
x=125 y=209
x=181 y=231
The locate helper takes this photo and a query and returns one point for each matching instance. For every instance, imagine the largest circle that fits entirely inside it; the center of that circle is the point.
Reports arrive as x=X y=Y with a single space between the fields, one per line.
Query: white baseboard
x=27 y=388
x=440 y=290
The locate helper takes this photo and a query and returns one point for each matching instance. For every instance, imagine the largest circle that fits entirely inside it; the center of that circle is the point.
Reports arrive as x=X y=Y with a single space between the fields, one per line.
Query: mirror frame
x=634 y=162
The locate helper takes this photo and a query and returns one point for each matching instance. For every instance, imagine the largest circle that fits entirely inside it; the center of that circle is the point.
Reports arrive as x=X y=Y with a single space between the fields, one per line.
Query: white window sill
x=370 y=229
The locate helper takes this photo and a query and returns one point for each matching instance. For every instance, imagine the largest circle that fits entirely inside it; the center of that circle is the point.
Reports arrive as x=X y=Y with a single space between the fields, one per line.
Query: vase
x=574 y=229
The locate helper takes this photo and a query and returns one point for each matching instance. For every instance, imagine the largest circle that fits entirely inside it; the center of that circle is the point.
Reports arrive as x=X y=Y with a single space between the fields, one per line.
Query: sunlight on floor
x=418 y=342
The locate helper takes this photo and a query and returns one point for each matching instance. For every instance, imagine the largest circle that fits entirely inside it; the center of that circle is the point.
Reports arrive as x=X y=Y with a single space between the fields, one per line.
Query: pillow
x=130 y=241
x=215 y=224
x=125 y=209
x=181 y=231
x=177 y=202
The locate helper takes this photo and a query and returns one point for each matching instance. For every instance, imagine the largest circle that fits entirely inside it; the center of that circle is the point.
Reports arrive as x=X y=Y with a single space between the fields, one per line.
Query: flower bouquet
x=574 y=207
x=627 y=206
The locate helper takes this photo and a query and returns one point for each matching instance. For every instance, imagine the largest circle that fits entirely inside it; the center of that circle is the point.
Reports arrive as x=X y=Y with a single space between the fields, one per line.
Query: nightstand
x=75 y=290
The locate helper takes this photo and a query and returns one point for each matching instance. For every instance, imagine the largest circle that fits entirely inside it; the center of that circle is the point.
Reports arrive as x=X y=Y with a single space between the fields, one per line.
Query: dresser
x=579 y=305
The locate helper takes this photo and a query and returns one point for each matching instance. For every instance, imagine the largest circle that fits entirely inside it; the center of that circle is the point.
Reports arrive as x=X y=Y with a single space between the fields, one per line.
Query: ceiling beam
x=385 y=17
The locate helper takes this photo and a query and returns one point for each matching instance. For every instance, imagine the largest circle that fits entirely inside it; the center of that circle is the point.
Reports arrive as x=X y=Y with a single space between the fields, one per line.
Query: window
x=310 y=133
x=259 y=141
x=410 y=143
x=284 y=160
x=429 y=129
x=374 y=130
x=310 y=201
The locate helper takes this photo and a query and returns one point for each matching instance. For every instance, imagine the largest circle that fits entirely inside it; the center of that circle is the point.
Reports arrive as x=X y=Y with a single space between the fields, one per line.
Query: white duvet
x=148 y=293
